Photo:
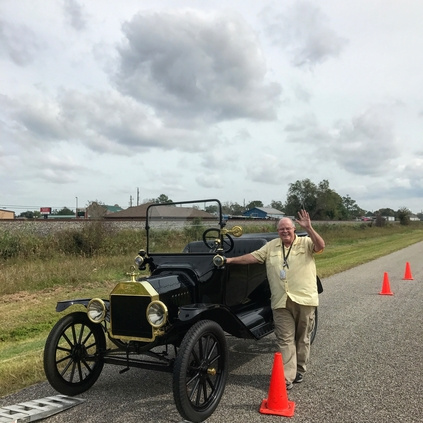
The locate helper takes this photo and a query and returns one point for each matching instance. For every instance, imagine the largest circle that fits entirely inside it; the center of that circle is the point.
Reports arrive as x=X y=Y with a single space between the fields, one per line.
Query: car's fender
x=63 y=305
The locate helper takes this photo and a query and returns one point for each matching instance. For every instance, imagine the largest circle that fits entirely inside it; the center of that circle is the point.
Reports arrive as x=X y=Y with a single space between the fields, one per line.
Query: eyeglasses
x=285 y=229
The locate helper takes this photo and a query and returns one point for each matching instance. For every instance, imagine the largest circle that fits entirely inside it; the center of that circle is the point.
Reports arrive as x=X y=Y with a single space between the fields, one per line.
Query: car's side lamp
x=140 y=260
x=219 y=260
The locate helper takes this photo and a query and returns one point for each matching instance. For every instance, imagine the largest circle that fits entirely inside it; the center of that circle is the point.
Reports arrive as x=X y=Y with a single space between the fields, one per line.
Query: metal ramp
x=31 y=411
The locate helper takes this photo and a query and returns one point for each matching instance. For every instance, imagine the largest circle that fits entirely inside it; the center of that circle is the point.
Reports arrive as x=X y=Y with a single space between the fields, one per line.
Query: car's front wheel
x=71 y=354
x=200 y=371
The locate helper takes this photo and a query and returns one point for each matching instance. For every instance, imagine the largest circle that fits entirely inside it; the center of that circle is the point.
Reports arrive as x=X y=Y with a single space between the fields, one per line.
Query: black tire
x=200 y=372
x=71 y=354
x=314 y=329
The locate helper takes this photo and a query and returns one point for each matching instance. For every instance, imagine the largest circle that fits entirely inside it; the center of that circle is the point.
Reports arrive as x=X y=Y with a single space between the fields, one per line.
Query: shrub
x=21 y=244
x=85 y=242
x=195 y=229
x=404 y=216
x=380 y=221
x=9 y=245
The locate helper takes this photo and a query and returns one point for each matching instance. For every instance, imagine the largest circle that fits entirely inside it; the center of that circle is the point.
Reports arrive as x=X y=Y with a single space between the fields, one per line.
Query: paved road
x=366 y=365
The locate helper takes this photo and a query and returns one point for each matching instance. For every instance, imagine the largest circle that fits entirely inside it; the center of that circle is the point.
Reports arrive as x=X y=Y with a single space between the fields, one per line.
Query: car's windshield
x=179 y=227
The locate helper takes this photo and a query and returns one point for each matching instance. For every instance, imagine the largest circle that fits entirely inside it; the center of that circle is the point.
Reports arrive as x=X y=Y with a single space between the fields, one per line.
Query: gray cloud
x=365 y=145
x=74 y=14
x=111 y=122
x=266 y=168
x=18 y=43
x=41 y=121
x=211 y=180
x=304 y=32
x=195 y=67
x=105 y=122
x=58 y=169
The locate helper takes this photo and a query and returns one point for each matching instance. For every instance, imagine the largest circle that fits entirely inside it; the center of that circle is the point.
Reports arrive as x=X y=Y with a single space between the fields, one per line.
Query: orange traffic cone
x=277 y=402
x=407 y=273
x=386 y=288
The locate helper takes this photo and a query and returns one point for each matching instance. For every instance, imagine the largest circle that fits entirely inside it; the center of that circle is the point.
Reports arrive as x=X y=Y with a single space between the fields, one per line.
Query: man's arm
x=305 y=222
x=245 y=259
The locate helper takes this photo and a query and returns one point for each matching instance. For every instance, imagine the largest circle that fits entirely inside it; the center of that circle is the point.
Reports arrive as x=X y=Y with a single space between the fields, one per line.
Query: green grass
x=345 y=255
x=30 y=286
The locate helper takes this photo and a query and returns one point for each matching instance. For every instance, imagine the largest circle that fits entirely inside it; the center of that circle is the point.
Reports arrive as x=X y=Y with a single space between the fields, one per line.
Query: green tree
x=328 y=203
x=253 y=204
x=162 y=199
x=65 y=211
x=403 y=215
x=237 y=209
x=351 y=208
x=320 y=201
x=30 y=214
x=379 y=220
x=301 y=195
x=278 y=205
x=386 y=212
x=211 y=209
x=96 y=209
x=233 y=209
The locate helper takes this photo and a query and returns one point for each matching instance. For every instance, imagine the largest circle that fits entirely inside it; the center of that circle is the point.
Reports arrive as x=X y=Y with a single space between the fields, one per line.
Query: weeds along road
x=366 y=363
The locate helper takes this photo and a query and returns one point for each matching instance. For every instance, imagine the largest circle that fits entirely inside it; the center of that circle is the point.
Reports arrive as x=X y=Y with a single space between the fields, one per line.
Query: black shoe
x=298 y=378
x=289 y=386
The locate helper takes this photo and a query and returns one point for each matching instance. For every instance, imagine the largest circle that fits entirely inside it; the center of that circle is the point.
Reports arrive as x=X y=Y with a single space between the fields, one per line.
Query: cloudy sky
x=210 y=99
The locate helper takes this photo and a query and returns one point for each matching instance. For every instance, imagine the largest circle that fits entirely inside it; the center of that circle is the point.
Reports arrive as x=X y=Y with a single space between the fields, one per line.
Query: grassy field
x=32 y=283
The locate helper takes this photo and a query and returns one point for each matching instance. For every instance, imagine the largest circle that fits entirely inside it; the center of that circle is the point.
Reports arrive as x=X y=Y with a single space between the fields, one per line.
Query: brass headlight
x=157 y=314
x=96 y=310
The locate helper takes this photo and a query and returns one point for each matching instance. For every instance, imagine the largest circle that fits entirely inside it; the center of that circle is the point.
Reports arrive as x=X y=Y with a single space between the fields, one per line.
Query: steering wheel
x=211 y=237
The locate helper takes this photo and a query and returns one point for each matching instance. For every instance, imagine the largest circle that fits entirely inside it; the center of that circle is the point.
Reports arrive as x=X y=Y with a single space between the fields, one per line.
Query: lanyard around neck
x=285 y=257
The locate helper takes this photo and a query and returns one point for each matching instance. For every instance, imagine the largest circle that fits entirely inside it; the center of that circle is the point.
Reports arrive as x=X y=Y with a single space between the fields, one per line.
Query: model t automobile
x=176 y=317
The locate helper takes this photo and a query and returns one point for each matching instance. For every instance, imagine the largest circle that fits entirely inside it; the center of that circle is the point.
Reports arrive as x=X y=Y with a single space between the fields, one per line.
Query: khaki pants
x=293 y=326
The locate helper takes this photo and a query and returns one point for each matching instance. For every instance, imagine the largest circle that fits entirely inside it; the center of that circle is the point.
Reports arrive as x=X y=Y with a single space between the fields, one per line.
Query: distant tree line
x=65 y=211
x=322 y=203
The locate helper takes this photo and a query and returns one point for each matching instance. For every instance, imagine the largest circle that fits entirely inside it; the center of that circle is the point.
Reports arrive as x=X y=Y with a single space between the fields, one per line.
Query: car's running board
x=259 y=321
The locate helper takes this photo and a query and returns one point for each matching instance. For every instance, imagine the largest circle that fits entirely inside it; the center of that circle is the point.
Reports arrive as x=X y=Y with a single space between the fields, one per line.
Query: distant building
x=176 y=213
x=7 y=214
x=134 y=212
x=98 y=211
x=264 y=213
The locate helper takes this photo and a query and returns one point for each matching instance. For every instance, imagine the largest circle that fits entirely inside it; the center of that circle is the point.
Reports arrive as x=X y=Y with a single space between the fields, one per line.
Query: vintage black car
x=177 y=318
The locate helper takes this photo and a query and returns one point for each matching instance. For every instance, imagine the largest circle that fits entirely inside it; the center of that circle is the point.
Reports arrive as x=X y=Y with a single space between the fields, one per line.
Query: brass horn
x=235 y=231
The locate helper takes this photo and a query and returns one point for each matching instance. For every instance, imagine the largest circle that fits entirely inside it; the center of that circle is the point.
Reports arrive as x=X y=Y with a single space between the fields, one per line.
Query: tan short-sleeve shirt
x=298 y=281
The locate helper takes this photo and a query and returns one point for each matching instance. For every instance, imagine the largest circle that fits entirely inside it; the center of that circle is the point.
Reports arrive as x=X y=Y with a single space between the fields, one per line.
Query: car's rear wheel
x=71 y=354
x=200 y=371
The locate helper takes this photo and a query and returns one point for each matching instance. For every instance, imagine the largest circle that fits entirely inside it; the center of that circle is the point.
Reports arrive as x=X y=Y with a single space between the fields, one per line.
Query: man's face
x=286 y=231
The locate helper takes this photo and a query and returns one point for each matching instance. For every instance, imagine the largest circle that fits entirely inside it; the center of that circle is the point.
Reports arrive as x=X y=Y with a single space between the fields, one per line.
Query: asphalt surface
x=366 y=363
